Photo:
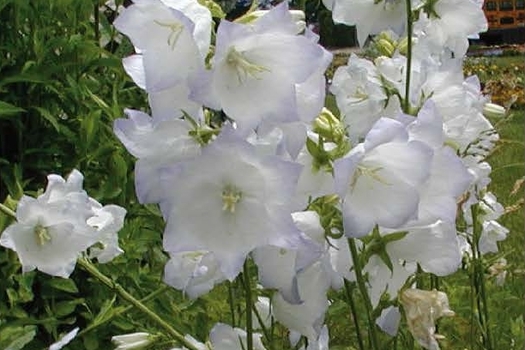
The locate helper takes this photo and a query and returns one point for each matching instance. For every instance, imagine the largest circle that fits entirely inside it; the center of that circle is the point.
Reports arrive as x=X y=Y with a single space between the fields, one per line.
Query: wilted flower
x=498 y=270
x=422 y=309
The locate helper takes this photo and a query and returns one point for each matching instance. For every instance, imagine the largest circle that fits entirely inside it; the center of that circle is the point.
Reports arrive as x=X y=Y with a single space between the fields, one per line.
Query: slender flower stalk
x=249 y=303
x=91 y=269
x=410 y=19
x=144 y=300
x=478 y=280
x=231 y=302
x=265 y=330
x=348 y=291
x=374 y=344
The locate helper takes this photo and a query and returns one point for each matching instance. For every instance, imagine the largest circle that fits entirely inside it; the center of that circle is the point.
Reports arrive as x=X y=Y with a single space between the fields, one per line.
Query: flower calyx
x=375 y=244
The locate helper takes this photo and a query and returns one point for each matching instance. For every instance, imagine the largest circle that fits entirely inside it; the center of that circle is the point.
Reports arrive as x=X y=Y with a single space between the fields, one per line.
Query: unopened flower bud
x=132 y=341
x=385 y=47
x=493 y=110
x=328 y=126
x=402 y=46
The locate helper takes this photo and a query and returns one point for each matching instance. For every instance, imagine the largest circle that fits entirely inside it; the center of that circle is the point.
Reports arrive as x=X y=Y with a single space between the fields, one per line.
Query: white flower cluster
x=398 y=159
x=244 y=161
x=55 y=228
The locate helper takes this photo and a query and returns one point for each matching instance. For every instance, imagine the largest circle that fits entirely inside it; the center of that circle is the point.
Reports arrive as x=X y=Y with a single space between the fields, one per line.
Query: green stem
x=406 y=102
x=7 y=211
x=485 y=307
x=265 y=330
x=479 y=278
x=249 y=302
x=91 y=269
x=231 y=298
x=96 y=16
x=350 y=299
x=374 y=344
x=472 y=302
x=434 y=284
x=123 y=310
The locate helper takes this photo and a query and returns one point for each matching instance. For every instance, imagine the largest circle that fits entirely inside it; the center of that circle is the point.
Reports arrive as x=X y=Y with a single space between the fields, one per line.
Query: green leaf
x=23 y=78
x=90 y=125
x=49 y=117
x=99 y=101
x=19 y=338
x=4 y=3
x=12 y=295
x=383 y=255
x=395 y=236
x=91 y=342
x=25 y=281
x=312 y=148
x=106 y=311
x=65 y=285
x=64 y=308
x=118 y=167
x=7 y=109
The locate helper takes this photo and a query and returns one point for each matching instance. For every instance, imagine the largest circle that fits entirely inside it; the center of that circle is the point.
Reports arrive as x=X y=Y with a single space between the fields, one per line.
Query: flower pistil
x=230 y=197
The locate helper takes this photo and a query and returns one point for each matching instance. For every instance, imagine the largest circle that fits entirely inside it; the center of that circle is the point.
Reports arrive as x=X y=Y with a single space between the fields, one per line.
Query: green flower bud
x=402 y=46
x=329 y=126
x=385 y=47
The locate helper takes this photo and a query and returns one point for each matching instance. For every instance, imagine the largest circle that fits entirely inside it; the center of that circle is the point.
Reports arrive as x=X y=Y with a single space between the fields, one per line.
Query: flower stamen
x=230 y=197
x=371 y=172
x=175 y=28
x=360 y=94
x=41 y=234
x=244 y=67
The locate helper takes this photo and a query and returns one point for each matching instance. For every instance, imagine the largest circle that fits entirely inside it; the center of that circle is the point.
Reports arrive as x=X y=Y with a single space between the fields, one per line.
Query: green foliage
x=59 y=94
